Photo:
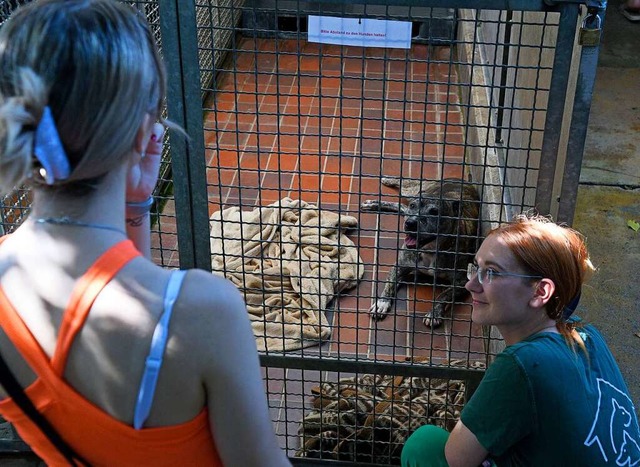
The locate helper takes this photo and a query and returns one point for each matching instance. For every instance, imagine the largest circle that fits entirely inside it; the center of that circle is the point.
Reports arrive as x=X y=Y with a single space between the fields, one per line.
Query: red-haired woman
x=555 y=396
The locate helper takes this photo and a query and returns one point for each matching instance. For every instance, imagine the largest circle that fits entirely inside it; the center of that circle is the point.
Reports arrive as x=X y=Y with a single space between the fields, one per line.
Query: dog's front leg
x=381 y=307
x=443 y=304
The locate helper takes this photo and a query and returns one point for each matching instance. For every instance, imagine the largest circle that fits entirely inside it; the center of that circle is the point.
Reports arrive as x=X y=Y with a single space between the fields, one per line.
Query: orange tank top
x=93 y=434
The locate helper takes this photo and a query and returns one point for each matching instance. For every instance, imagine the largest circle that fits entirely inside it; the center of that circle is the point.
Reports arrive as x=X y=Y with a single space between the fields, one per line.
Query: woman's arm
x=141 y=181
x=236 y=398
x=463 y=448
x=139 y=228
x=498 y=415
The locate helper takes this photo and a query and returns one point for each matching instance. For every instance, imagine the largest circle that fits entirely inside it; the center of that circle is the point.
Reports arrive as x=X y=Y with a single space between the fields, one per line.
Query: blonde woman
x=131 y=364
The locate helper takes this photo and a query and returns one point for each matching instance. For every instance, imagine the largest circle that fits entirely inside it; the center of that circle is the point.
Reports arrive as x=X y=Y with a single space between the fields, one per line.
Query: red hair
x=544 y=248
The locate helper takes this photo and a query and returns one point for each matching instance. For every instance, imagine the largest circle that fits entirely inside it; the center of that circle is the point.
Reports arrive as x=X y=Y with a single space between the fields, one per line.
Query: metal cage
x=292 y=139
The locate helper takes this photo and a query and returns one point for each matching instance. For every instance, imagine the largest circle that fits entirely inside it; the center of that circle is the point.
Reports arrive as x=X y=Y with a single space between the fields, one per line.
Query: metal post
x=555 y=106
x=180 y=46
x=579 y=123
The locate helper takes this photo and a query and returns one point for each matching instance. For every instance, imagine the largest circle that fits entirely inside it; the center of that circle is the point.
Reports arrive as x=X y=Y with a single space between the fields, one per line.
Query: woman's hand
x=143 y=173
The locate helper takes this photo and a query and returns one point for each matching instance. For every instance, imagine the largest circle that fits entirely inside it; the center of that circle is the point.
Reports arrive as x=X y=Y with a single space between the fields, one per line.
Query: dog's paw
x=380 y=308
x=432 y=321
x=370 y=205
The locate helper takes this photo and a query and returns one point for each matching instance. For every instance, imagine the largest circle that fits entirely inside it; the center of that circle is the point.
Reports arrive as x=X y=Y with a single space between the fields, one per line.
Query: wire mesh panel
x=164 y=248
x=7 y=7
x=344 y=189
x=358 y=417
x=14 y=206
x=349 y=187
x=332 y=169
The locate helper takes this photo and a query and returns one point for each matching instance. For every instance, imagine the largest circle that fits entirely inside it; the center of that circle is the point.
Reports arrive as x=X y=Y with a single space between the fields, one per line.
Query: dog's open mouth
x=411 y=241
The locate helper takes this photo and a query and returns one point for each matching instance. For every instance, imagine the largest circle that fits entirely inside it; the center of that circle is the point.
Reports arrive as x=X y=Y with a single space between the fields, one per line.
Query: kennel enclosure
x=287 y=138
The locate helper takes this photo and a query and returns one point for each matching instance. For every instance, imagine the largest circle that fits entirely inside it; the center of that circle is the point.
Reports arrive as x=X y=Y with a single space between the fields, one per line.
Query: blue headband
x=49 y=151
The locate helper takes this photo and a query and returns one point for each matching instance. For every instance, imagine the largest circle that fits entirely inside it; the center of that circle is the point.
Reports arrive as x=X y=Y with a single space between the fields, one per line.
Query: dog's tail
x=408 y=187
x=393 y=182
x=373 y=205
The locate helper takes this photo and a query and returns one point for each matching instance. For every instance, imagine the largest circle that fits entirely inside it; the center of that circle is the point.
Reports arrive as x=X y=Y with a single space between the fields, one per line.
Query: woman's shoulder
x=202 y=290
x=551 y=341
x=211 y=319
x=200 y=296
x=209 y=304
x=535 y=341
x=542 y=349
x=551 y=350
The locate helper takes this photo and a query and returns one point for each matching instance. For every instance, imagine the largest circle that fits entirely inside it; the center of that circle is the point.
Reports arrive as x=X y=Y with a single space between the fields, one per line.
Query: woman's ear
x=144 y=134
x=545 y=288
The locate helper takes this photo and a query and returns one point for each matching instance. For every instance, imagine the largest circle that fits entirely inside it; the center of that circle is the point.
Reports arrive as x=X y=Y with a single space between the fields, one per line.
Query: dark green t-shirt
x=542 y=403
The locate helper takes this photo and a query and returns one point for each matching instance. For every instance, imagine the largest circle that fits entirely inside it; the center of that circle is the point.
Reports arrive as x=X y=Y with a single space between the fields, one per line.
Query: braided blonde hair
x=96 y=65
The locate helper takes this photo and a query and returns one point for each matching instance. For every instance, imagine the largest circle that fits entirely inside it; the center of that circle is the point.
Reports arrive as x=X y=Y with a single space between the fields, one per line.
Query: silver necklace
x=73 y=223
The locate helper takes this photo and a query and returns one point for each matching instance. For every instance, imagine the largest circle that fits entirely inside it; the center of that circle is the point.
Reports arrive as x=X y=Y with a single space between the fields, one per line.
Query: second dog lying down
x=441 y=229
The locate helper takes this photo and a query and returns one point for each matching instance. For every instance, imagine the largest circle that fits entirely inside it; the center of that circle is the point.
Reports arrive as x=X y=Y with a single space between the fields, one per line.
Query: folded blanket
x=290 y=259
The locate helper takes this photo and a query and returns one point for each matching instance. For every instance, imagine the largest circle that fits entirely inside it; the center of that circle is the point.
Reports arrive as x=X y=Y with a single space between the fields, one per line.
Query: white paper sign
x=360 y=32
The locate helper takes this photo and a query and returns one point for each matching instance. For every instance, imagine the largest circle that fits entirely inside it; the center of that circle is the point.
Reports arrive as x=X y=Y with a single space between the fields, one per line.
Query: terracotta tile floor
x=323 y=124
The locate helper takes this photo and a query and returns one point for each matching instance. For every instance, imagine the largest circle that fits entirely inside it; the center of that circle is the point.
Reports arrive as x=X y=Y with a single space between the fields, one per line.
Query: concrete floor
x=609 y=195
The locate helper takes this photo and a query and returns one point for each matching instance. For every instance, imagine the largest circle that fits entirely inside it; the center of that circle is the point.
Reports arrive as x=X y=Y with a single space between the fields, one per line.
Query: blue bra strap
x=158 y=344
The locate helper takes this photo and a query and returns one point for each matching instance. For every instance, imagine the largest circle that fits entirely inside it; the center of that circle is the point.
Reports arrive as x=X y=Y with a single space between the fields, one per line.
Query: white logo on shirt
x=615 y=415
x=629 y=452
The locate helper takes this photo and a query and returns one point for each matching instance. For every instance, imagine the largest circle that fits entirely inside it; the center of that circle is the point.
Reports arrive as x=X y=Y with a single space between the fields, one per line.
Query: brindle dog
x=441 y=233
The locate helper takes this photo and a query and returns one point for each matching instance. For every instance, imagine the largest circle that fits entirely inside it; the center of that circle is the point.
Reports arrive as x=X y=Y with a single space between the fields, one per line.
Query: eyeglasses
x=483 y=274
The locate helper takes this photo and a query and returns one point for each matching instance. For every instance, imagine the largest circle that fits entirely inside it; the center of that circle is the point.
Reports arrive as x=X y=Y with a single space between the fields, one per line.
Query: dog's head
x=441 y=212
x=425 y=216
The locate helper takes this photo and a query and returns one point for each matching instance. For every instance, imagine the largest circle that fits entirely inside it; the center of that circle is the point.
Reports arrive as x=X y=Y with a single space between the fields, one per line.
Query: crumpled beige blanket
x=290 y=259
